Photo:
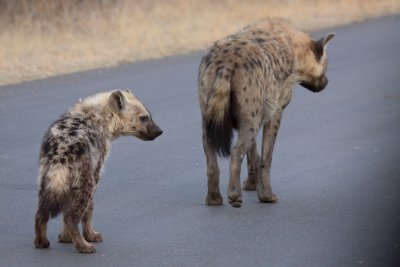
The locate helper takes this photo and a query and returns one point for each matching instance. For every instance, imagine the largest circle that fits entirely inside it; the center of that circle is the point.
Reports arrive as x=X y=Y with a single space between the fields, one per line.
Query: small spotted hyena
x=245 y=82
x=71 y=157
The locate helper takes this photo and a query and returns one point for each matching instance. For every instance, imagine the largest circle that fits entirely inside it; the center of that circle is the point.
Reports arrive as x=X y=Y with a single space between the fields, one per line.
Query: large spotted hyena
x=245 y=82
x=71 y=157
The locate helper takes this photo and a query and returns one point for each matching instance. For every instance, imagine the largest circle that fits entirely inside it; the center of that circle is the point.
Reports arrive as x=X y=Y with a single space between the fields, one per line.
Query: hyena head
x=134 y=119
x=314 y=63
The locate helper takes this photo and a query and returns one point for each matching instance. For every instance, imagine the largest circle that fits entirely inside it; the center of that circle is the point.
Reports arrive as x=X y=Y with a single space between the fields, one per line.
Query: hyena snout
x=151 y=133
x=316 y=85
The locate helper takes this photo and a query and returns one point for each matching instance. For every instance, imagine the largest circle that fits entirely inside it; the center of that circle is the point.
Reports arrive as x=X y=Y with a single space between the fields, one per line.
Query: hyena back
x=71 y=157
x=245 y=82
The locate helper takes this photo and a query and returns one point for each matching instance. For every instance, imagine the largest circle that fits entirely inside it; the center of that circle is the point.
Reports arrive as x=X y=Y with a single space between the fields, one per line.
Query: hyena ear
x=320 y=45
x=129 y=91
x=116 y=101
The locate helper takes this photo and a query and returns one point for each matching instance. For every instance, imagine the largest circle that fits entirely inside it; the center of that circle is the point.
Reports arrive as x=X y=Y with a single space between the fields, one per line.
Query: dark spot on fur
x=79 y=122
x=225 y=51
x=206 y=59
x=227 y=77
x=207 y=65
x=251 y=65
x=247 y=100
x=260 y=40
x=246 y=66
x=252 y=129
x=252 y=114
x=46 y=147
x=244 y=89
x=92 y=140
x=76 y=149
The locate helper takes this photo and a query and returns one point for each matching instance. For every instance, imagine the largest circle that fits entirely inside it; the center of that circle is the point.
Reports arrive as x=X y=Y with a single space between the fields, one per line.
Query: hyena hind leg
x=245 y=140
x=77 y=206
x=64 y=236
x=213 y=194
x=253 y=163
x=41 y=219
x=264 y=189
x=88 y=231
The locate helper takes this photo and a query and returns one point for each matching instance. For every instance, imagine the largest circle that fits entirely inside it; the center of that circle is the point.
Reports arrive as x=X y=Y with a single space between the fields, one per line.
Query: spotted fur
x=245 y=82
x=72 y=154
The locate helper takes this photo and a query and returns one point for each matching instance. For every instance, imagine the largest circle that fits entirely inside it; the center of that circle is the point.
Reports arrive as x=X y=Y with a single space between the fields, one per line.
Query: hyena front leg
x=88 y=232
x=245 y=140
x=253 y=163
x=213 y=194
x=41 y=219
x=264 y=190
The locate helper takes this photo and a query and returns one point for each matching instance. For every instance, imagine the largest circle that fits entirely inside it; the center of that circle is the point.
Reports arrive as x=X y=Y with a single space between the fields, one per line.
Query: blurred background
x=42 y=38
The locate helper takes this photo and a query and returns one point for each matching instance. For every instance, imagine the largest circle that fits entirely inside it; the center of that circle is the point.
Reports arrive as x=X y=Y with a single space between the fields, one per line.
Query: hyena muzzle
x=71 y=157
x=245 y=82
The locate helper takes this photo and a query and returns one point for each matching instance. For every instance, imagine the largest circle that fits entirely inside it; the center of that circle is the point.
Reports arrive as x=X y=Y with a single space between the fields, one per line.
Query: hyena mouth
x=150 y=136
x=315 y=87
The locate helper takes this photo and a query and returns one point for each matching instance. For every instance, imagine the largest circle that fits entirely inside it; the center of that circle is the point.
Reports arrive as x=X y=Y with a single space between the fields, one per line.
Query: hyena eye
x=144 y=118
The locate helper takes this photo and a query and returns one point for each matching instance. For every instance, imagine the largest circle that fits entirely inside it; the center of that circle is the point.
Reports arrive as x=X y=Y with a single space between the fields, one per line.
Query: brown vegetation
x=40 y=38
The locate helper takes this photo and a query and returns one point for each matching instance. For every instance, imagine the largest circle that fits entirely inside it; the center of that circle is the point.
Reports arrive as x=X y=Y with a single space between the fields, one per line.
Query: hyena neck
x=100 y=117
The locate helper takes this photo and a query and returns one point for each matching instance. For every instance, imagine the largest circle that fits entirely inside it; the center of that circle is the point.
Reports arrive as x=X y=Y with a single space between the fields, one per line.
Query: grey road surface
x=336 y=169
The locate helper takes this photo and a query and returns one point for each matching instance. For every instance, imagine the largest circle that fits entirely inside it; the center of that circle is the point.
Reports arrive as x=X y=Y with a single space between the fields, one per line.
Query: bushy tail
x=218 y=119
x=54 y=189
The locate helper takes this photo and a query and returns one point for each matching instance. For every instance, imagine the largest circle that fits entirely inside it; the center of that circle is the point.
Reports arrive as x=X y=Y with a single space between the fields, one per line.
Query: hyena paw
x=42 y=243
x=86 y=248
x=214 y=199
x=235 y=199
x=267 y=198
x=249 y=184
x=93 y=237
x=64 y=238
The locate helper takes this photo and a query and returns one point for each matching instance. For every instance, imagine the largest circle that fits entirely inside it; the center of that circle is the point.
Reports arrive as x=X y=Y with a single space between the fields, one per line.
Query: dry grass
x=41 y=38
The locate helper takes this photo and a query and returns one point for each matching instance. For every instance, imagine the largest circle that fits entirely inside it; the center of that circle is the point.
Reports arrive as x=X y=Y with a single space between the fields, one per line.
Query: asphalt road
x=336 y=169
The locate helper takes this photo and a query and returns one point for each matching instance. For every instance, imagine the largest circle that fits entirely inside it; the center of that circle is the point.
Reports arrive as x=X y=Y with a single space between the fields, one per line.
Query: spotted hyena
x=245 y=82
x=72 y=154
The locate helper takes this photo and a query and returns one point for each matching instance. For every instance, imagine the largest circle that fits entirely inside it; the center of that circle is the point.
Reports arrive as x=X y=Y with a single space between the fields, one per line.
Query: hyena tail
x=50 y=203
x=218 y=120
x=53 y=191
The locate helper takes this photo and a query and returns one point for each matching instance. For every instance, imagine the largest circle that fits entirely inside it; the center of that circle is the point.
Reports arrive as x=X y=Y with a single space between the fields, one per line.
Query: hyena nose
x=159 y=132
